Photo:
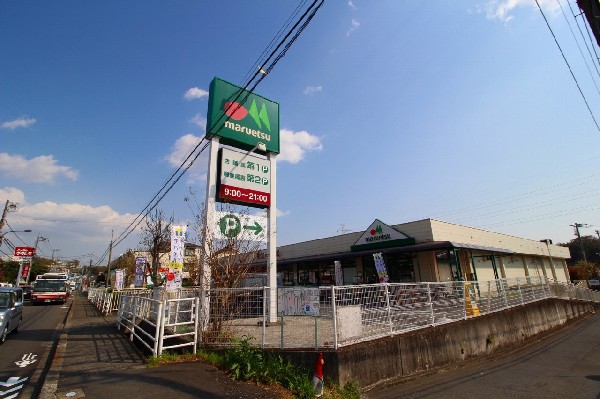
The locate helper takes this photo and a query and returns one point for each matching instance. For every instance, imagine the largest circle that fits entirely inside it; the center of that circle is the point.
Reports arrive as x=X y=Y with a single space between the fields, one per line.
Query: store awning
x=422 y=247
x=496 y=250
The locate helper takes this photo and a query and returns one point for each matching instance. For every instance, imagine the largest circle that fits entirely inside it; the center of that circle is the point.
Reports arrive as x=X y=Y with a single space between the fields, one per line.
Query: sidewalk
x=95 y=360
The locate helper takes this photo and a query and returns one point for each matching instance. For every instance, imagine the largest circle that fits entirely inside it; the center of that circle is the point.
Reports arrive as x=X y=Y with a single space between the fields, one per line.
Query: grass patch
x=247 y=363
x=168 y=357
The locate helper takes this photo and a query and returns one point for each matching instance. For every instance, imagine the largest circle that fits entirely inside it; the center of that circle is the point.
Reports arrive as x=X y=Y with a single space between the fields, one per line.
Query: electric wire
x=545 y=216
x=579 y=47
x=590 y=41
x=15 y=233
x=546 y=190
x=568 y=65
x=307 y=17
x=597 y=26
x=259 y=61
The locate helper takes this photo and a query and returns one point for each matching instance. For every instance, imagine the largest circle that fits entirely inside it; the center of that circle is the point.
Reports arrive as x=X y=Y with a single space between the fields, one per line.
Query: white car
x=11 y=311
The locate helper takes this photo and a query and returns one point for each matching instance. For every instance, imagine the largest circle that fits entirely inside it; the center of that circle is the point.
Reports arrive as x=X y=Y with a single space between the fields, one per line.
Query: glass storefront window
x=447 y=267
x=400 y=268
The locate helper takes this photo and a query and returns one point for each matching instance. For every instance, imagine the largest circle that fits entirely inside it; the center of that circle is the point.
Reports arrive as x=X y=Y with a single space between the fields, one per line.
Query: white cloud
x=295 y=144
x=312 y=90
x=73 y=227
x=199 y=121
x=503 y=9
x=195 y=93
x=11 y=194
x=42 y=169
x=20 y=122
x=181 y=149
x=281 y=213
x=355 y=26
x=351 y=5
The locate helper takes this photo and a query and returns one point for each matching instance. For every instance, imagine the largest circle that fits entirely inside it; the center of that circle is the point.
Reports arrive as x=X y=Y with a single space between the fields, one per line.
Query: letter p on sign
x=230 y=226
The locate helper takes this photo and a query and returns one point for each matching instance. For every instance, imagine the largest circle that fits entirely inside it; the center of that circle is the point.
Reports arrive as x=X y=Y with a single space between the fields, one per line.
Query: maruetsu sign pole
x=211 y=192
x=249 y=122
x=272 y=244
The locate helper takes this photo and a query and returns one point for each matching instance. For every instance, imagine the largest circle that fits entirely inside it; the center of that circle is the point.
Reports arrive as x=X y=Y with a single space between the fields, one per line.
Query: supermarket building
x=426 y=250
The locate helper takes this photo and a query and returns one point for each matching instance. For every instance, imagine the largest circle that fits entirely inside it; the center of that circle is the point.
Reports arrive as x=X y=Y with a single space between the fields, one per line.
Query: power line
x=303 y=22
x=15 y=233
x=588 y=43
x=579 y=47
x=568 y=65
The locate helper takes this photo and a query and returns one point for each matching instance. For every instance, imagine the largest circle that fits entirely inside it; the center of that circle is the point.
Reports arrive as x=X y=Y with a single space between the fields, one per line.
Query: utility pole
x=577 y=226
x=109 y=259
x=37 y=241
x=53 y=251
x=8 y=207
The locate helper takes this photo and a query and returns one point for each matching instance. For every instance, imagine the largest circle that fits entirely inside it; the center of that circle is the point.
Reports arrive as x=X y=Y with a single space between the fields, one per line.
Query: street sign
x=240 y=226
x=241 y=118
x=244 y=179
x=24 y=251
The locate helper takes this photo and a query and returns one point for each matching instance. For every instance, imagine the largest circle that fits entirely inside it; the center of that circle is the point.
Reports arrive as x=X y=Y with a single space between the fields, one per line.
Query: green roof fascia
x=384 y=244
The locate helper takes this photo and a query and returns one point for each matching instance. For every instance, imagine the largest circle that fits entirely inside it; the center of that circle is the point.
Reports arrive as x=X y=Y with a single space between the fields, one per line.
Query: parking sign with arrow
x=236 y=225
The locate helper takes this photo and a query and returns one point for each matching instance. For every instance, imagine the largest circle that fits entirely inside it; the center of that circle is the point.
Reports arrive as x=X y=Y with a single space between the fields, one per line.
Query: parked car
x=11 y=311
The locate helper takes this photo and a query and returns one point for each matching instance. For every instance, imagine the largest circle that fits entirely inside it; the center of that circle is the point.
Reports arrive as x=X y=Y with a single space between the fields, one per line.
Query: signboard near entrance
x=240 y=226
x=380 y=235
x=241 y=118
x=244 y=179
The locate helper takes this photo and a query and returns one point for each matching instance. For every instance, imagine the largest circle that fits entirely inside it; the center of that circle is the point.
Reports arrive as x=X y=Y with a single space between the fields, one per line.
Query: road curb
x=47 y=376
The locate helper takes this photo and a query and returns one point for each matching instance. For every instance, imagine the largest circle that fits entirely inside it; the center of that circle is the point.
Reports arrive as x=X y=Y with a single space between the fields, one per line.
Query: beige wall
x=444 y=231
x=530 y=255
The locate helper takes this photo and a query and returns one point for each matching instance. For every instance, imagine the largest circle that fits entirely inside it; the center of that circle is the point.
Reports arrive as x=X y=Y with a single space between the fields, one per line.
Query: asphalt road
x=24 y=355
x=563 y=365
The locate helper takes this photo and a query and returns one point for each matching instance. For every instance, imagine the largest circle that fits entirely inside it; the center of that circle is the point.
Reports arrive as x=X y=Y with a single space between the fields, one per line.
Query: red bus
x=50 y=287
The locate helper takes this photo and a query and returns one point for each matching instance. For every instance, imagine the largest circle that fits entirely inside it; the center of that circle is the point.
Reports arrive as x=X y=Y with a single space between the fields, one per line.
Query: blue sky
x=398 y=110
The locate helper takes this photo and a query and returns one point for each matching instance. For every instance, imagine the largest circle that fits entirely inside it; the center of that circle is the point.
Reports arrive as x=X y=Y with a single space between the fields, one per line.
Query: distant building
x=426 y=250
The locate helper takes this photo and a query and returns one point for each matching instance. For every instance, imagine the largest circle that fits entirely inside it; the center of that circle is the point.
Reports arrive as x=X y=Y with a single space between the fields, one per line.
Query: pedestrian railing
x=159 y=325
x=107 y=301
x=336 y=316
x=323 y=317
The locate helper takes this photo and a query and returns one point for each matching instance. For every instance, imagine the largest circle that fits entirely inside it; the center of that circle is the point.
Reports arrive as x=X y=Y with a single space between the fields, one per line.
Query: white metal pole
x=211 y=193
x=272 y=244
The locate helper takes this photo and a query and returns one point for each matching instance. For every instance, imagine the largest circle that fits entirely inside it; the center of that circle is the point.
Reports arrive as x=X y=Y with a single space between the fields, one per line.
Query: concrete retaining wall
x=371 y=362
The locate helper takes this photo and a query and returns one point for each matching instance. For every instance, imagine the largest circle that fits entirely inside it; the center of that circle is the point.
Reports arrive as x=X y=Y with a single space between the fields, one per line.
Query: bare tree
x=230 y=256
x=156 y=237
x=234 y=250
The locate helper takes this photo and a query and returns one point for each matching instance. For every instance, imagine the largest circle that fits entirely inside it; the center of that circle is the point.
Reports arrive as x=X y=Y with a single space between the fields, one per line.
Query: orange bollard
x=318 y=376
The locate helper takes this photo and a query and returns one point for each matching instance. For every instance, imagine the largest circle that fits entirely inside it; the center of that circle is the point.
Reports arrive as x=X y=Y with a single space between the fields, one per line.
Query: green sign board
x=241 y=118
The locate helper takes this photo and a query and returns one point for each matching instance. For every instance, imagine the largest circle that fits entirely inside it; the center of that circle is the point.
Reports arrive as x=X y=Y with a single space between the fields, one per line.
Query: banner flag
x=177 y=252
x=380 y=266
x=140 y=268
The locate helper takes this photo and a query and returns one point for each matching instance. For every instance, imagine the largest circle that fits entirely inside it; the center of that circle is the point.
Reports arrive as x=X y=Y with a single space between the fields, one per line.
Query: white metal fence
x=107 y=301
x=160 y=325
x=322 y=317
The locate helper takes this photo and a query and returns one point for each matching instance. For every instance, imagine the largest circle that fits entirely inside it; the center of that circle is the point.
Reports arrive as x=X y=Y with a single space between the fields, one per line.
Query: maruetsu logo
x=237 y=112
x=377 y=235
